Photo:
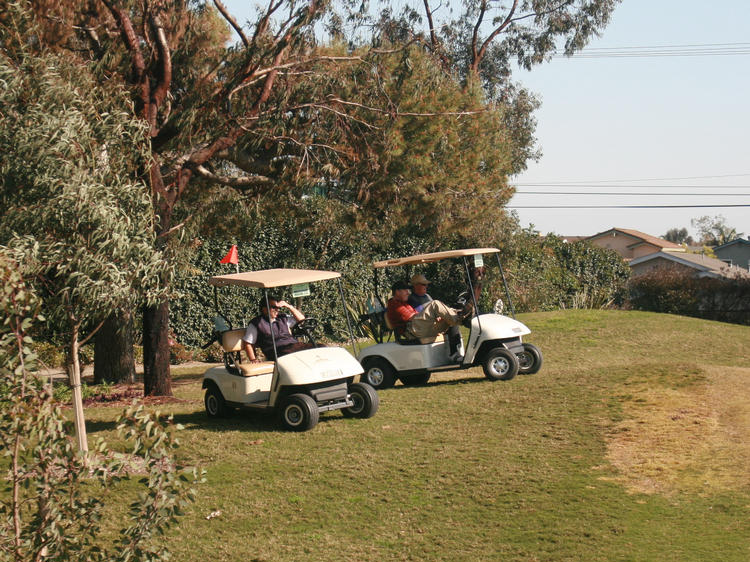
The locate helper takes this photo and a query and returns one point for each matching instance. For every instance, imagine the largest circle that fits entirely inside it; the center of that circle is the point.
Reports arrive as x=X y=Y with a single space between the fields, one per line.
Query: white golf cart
x=494 y=339
x=298 y=386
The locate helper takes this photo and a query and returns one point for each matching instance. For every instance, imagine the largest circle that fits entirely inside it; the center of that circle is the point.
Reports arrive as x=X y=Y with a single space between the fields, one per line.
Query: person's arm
x=248 y=343
x=250 y=352
x=298 y=316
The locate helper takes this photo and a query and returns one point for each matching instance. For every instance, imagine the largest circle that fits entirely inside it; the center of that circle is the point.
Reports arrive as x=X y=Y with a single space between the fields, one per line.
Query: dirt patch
x=694 y=439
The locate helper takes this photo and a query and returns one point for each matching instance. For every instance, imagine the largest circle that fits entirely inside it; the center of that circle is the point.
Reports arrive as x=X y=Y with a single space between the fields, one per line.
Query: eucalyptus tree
x=281 y=113
x=75 y=214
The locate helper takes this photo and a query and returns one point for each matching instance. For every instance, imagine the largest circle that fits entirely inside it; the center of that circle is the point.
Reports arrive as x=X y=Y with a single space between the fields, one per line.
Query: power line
x=623 y=206
x=690 y=50
x=594 y=182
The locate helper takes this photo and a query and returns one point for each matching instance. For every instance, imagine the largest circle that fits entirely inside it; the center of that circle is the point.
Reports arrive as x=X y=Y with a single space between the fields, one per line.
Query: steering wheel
x=306 y=329
x=499 y=306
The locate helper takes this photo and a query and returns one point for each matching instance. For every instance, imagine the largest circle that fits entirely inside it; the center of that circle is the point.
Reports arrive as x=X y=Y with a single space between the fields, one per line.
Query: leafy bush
x=677 y=291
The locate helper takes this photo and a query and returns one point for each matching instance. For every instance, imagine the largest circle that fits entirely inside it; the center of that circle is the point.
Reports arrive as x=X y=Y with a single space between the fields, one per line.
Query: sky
x=662 y=125
x=606 y=122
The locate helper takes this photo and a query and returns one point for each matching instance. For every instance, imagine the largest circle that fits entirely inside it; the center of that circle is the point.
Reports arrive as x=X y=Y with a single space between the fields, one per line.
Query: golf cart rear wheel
x=299 y=412
x=500 y=365
x=216 y=406
x=415 y=380
x=529 y=360
x=365 y=400
x=378 y=373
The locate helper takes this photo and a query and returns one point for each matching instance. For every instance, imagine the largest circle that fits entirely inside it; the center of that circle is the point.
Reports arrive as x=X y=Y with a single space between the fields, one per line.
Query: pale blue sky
x=621 y=119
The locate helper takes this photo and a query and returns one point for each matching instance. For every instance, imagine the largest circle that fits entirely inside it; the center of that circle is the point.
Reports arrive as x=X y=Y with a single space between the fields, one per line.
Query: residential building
x=632 y=244
x=736 y=252
x=697 y=264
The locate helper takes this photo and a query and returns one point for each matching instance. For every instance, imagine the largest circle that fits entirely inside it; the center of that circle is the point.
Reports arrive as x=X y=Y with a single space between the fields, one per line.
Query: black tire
x=500 y=365
x=379 y=374
x=366 y=401
x=299 y=412
x=529 y=360
x=216 y=406
x=415 y=380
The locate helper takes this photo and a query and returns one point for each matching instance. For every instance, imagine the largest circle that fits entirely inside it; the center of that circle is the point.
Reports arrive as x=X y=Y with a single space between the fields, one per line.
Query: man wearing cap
x=419 y=298
x=273 y=329
x=435 y=318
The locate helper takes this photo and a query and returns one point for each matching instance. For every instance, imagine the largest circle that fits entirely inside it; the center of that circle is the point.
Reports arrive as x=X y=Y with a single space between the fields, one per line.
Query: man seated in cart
x=259 y=331
x=434 y=318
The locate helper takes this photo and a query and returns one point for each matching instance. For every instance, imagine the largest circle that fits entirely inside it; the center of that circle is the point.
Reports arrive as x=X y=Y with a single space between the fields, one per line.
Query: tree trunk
x=74 y=374
x=113 y=350
x=157 y=380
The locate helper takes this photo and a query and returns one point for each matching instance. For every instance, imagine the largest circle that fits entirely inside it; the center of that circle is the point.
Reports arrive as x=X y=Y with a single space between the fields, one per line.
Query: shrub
x=676 y=291
x=51 y=509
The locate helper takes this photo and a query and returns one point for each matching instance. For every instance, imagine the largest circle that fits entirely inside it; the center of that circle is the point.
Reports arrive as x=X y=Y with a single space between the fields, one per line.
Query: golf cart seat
x=409 y=341
x=231 y=341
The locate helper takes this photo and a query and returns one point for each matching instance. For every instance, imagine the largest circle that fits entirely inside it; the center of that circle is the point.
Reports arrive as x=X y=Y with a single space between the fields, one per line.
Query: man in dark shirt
x=271 y=327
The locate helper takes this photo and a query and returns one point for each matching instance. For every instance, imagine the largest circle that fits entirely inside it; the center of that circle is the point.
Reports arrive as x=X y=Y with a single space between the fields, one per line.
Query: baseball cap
x=419 y=279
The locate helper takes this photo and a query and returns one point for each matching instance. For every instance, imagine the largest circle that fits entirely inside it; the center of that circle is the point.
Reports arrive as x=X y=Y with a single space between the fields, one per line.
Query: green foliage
x=73 y=206
x=546 y=273
x=679 y=292
x=54 y=496
x=714 y=231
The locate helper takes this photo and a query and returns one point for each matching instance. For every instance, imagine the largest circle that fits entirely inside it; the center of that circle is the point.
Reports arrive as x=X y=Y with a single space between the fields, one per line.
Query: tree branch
x=232 y=22
x=232 y=181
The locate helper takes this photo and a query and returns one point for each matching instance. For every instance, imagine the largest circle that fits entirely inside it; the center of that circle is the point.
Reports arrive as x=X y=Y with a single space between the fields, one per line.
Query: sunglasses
x=273 y=306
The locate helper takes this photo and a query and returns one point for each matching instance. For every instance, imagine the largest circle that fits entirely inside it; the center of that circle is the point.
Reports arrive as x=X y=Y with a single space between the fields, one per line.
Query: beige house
x=632 y=244
x=695 y=264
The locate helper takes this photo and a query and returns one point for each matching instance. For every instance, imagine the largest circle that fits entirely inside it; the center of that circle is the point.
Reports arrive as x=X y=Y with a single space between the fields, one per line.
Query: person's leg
x=425 y=324
x=454 y=339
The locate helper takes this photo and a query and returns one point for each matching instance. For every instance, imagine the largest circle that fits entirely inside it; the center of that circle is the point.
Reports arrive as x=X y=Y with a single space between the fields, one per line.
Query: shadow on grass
x=449 y=382
x=241 y=420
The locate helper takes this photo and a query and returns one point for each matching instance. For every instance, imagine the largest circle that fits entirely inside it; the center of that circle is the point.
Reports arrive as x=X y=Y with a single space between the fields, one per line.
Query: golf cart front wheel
x=365 y=400
x=500 y=365
x=299 y=412
x=378 y=373
x=529 y=360
x=216 y=406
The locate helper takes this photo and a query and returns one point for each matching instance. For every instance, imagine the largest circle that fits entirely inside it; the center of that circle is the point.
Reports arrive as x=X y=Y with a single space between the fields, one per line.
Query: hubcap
x=500 y=365
x=524 y=360
x=293 y=414
x=359 y=403
x=375 y=376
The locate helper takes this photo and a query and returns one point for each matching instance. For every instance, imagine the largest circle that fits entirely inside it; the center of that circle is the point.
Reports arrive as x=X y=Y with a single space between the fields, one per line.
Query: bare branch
x=252 y=181
x=479 y=55
x=232 y=22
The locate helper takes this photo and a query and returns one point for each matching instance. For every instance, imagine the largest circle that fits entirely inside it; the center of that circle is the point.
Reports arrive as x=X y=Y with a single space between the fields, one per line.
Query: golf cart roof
x=268 y=278
x=434 y=256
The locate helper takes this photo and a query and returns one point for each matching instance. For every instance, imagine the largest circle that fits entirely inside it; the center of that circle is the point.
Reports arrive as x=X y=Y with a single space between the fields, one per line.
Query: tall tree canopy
x=283 y=111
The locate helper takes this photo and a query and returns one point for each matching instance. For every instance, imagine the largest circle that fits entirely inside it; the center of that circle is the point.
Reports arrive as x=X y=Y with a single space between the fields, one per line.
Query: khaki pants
x=425 y=324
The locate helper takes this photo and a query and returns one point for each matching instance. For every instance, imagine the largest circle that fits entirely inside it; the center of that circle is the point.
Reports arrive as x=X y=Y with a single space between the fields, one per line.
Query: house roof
x=643 y=238
x=708 y=266
x=740 y=241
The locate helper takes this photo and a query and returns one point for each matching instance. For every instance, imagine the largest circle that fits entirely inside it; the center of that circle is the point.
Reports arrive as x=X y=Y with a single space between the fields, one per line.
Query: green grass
x=621 y=448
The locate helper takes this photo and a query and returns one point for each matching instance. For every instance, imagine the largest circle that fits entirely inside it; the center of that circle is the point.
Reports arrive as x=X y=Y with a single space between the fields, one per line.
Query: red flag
x=232 y=256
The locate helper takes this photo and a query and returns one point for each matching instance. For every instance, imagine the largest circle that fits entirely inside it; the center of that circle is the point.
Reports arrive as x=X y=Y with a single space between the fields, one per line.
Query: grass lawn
x=632 y=444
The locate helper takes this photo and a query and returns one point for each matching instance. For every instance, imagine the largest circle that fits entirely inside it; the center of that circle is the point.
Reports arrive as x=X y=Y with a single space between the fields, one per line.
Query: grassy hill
x=631 y=444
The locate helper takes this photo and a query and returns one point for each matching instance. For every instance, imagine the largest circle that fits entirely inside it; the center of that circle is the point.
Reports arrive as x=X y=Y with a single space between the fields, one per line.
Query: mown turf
x=535 y=468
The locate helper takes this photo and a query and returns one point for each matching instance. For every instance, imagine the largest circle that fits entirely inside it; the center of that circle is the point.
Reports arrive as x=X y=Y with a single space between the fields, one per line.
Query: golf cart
x=494 y=339
x=298 y=386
